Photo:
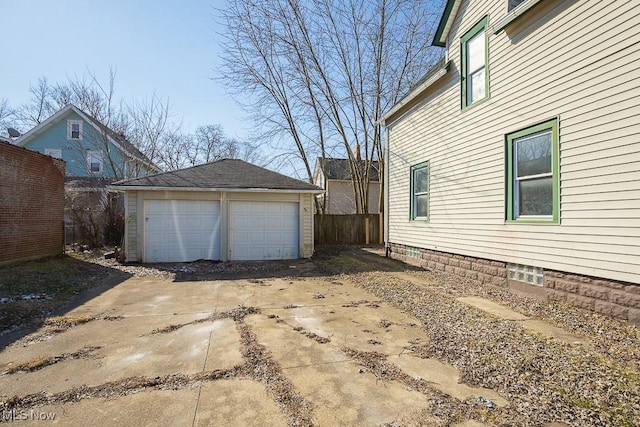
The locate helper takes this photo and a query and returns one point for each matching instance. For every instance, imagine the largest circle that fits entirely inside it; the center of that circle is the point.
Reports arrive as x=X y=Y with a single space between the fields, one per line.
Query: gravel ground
x=545 y=380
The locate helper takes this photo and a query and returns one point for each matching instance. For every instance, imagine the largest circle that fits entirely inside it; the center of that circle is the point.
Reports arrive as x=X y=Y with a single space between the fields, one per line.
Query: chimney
x=357 y=153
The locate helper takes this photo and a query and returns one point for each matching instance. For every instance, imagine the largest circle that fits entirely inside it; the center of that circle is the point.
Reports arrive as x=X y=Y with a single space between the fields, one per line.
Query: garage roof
x=223 y=174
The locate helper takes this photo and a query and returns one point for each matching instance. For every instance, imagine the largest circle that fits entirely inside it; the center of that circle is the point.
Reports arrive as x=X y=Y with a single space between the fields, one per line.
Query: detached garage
x=225 y=210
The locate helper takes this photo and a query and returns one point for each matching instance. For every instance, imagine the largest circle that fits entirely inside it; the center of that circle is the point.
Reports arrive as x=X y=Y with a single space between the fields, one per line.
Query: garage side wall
x=306 y=215
x=131 y=226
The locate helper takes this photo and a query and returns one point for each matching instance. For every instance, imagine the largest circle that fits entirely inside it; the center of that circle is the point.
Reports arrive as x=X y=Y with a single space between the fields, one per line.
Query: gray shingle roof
x=339 y=168
x=222 y=174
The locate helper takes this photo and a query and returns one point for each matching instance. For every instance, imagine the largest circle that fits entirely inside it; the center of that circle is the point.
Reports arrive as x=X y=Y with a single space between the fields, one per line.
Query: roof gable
x=222 y=174
x=446 y=20
x=339 y=169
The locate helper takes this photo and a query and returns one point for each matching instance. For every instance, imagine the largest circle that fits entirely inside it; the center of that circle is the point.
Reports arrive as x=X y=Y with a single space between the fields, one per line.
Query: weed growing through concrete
x=44 y=361
x=236 y=314
x=297 y=410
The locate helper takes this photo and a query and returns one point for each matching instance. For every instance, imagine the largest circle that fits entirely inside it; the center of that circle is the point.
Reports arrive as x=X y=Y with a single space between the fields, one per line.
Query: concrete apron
x=162 y=328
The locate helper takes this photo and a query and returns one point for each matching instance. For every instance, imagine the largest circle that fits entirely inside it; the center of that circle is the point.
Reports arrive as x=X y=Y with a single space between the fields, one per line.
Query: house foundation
x=620 y=300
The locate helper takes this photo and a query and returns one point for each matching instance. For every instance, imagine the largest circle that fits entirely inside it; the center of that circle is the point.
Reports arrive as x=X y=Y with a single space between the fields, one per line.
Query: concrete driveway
x=293 y=349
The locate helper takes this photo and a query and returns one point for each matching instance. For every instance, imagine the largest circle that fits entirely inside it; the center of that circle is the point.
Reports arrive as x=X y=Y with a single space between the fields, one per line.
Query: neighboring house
x=224 y=210
x=90 y=148
x=95 y=156
x=516 y=161
x=31 y=205
x=334 y=176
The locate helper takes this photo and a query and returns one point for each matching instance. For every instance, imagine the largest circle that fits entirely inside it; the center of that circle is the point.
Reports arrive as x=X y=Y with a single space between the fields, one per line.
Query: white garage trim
x=264 y=230
x=181 y=230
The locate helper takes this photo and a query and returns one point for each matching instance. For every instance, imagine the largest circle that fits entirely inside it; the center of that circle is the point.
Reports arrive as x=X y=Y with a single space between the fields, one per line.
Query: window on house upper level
x=74 y=129
x=94 y=161
x=53 y=152
x=420 y=191
x=474 y=59
x=533 y=174
x=512 y=4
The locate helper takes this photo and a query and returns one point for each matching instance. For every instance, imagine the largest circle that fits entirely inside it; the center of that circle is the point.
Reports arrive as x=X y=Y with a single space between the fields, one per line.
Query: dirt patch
x=32 y=290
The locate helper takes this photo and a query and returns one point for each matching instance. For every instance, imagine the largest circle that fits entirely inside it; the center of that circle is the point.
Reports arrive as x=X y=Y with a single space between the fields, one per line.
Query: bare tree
x=145 y=124
x=211 y=144
x=6 y=115
x=38 y=109
x=208 y=144
x=151 y=128
x=324 y=71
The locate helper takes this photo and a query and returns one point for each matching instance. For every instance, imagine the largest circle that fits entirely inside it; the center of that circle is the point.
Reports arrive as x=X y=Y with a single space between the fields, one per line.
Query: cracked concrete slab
x=538 y=326
x=493 y=308
x=165 y=328
x=445 y=378
x=163 y=407
x=326 y=377
x=238 y=402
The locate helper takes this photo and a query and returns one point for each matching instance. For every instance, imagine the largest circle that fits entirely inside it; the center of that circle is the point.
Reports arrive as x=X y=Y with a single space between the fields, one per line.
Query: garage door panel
x=264 y=230
x=182 y=230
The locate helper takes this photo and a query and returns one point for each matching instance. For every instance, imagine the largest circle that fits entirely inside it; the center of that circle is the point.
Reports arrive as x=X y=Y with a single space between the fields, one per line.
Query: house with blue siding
x=90 y=149
x=95 y=156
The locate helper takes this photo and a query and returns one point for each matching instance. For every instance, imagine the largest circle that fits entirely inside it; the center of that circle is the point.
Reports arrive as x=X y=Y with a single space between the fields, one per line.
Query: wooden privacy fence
x=354 y=229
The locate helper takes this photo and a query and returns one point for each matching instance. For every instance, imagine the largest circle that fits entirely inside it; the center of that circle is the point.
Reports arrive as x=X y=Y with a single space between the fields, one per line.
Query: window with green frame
x=533 y=193
x=474 y=59
x=420 y=191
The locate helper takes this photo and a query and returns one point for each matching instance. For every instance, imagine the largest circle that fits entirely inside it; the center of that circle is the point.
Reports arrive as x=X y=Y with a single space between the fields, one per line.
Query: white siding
x=577 y=61
x=306 y=213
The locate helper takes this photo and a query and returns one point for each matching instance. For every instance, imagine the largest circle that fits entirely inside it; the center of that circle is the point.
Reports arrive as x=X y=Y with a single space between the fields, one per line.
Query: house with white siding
x=516 y=160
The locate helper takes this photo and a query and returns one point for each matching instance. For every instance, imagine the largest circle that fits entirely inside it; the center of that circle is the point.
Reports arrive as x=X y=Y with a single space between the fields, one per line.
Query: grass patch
x=33 y=289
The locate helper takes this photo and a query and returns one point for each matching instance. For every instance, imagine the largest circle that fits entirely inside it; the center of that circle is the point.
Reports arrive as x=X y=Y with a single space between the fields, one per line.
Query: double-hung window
x=74 y=129
x=420 y=191
x=532 y=174
x=94 y=161
x=474 y=58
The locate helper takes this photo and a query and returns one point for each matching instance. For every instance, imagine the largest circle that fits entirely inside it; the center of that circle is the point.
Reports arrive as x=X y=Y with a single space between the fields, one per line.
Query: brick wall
x=31 y=204
x=616 y=299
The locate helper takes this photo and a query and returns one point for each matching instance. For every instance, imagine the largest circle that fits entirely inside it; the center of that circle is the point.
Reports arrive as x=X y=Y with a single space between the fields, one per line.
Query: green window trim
x=465 y=75
x=551 y=127
x=423 y=193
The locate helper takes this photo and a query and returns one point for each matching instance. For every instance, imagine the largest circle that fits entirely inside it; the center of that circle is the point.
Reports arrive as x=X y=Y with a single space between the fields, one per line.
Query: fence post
x=366 y=229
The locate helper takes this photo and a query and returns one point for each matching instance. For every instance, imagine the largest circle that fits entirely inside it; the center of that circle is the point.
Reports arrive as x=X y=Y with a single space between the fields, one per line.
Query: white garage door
x=182 y=230
x=263 y=230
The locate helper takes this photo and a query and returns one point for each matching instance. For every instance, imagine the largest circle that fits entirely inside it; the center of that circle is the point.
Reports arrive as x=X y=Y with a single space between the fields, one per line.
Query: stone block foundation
x=620 y=300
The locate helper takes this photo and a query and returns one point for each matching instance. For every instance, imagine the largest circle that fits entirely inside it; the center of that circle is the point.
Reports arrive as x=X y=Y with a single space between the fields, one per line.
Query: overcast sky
x=166 y=47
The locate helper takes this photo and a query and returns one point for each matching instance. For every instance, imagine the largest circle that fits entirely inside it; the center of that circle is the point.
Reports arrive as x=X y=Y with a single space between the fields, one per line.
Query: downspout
x=387 y=245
